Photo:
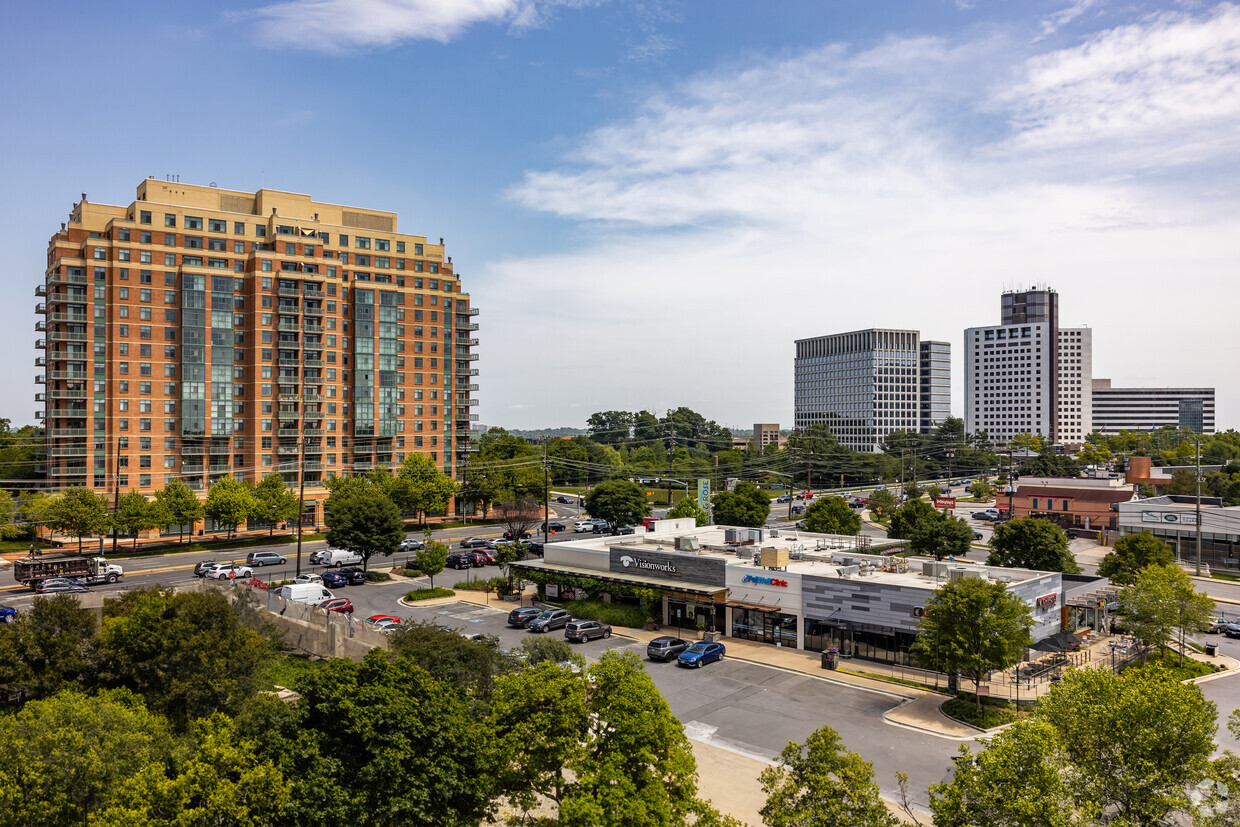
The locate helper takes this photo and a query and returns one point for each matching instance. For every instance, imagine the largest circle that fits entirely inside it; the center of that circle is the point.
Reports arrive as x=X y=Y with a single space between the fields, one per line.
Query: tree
x=467 y=666
x=635 y=766
x=539 y=719
x=1050 y=464
x=519 y=516
x=881 y=503
x=1162 y=601
x=229 y=502
x=1136 y=742
x=822 y=784
x=535 y=650
x=689 y=507
x=187 y=653
x=619 y=502
x=1133 y=553
x=933 y=492
x=1021 y=779
x=941 y=537
x=181 y=506
x=1183 y=482
x=420 y=486
x=831 y=515
x=747 y=505
x=222 y=781
x=506 y=468
x=1031 y=543
x=973 y=627
x=431 y=558
x=79 y=512
x=363 y=520
x=274 y=502
x=981 y=490
x=66 y=756
x=49 y=648
x=135 y=513
x=610 y=427
x=912 y=490
x=907 y=517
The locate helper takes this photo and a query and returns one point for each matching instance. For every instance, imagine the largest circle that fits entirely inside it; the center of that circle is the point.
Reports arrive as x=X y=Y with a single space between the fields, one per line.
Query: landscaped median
x=427 y=594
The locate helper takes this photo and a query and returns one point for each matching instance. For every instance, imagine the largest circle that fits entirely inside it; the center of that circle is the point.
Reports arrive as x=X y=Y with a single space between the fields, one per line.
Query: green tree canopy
x=907 y=517
x=275 y=502
x=135 y=513
x=881 y=503
x=822 y=784
x=468 y=666
x=1162 y=602
x=1133 y=553
x=1031 y=543
x=610 y=427
x=831 y=515
x=50 y=648
x=229 y=502
x=1135 y=742
x=80 y=513
x=1049 y=464
x=181 y=506
x=942 y=537
x=981 y=490
x=363 y=519
x=689 y=507
x=747 y=505
x=619 y=502
x=187 y=653
x=973 y=626
x=420 y=486
x=66 y=756
x=431 y=558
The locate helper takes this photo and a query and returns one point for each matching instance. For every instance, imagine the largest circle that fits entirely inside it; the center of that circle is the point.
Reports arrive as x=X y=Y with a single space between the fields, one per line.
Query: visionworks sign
x=654 y=565
x=638 y=559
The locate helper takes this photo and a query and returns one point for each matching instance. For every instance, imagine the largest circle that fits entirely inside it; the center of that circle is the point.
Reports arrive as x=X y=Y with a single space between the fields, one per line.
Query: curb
x=934 y=732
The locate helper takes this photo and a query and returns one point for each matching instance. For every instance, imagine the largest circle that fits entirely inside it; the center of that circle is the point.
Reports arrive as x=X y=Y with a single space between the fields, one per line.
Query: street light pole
x=1198 y=572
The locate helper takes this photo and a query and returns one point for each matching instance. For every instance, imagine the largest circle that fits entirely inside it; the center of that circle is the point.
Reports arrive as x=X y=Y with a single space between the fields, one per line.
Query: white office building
x=1146 y=409
x=1027 y=374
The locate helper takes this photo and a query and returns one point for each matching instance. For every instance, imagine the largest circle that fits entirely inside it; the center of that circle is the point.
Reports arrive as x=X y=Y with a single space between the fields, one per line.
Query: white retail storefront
x=764 y=605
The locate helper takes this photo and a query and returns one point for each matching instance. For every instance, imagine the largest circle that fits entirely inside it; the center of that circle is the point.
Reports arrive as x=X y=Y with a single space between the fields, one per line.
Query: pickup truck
x=31 y=571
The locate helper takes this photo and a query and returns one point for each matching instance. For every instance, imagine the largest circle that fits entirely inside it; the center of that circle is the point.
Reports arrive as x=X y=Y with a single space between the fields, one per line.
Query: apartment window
x=363 y=243
x=144 y=256
x=144 y=217
x=417 y=249
x=267 y=268
x=170 y=220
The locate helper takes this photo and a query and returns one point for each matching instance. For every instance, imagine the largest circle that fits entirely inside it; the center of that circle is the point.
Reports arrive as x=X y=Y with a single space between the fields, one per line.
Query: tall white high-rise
x=1027 y=374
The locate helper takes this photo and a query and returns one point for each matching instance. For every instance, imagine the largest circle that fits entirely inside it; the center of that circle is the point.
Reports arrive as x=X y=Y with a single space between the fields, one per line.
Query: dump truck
x=31 y=571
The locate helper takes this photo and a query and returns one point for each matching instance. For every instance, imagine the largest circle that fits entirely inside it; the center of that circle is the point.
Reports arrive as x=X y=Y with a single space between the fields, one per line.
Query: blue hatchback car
x=701 y=653
x=334 y=579
x=8 y=614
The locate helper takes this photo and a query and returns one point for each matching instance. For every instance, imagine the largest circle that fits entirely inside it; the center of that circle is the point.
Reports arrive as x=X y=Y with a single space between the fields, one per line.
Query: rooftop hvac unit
x=687 y=544
x=731 y=535
x=757 y=535
x=774 y=532
x=975 y=574
x=847 y=571
x=936 y=569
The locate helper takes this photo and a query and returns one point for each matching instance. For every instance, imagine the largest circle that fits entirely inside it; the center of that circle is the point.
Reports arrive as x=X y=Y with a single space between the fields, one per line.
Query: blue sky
x=650 y=201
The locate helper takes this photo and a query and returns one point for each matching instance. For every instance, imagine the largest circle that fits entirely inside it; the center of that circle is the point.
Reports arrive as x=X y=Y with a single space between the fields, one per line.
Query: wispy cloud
x=336 y=25
x=1064 y=16
x=904 y=184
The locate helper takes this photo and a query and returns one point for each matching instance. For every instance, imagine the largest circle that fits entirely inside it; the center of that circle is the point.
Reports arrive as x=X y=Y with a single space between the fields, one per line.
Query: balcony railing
x=66 y=336
x=40 y=361
x=467 y=342
x=41 y=344
x=66 y=278
x=41 y=307
x=60 y=432
x=473 y=311
x=313 y=311
x=74 y=318
x=313 y=293
x=67 y=393
x=289 y=292
x=40 y=289
x=192 y=450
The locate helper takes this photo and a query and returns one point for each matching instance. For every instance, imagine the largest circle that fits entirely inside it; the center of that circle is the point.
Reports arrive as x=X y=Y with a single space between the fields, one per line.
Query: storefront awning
x=745 y=601
x=644 y=580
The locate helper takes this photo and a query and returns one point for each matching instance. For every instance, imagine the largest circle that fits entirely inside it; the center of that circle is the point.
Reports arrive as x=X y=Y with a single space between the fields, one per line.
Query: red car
x=337 y=604
x=374 y=619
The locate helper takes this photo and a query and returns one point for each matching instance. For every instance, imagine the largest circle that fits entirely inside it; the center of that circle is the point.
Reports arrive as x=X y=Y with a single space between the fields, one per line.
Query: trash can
x=828 y=660
x=1211 y=649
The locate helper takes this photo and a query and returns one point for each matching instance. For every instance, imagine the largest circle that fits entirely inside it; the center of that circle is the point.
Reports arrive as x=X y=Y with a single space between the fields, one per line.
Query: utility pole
x=546 y=495
x=1198 y=507
x=809 y=480
x=671 y=447
x=1011 y=484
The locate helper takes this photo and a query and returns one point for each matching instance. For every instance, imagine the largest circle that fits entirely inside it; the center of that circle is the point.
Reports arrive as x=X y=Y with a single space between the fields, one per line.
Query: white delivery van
x=311 y=593
x=337 y=557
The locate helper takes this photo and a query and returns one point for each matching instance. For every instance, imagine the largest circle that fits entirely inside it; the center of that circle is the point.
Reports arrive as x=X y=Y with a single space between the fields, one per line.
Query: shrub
x=963 y=707
x=428 y=594
x=377 y=576
x=411 y=571
x=495 y=584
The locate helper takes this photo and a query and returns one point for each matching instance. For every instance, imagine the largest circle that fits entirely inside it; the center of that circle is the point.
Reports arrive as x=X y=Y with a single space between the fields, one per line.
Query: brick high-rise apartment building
x=199 y=332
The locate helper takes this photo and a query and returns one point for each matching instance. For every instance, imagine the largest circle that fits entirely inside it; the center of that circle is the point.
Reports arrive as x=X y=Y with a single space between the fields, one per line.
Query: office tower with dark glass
x=867 y=384
x=201 y=332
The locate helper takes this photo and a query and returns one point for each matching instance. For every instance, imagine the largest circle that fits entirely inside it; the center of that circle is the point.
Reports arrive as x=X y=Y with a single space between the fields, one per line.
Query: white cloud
x=1064 y=16
x=333 y=25
x=901 y=186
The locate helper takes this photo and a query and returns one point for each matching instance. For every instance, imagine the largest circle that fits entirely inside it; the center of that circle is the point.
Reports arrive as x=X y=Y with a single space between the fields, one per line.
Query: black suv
x=520 y=618
x=459 y=561
x=525 y=535
x=666 y=648
x=550 y=619
x=356 y=577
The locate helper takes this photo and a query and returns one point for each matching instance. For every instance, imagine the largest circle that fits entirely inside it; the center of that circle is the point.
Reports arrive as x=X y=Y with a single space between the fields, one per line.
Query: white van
x=337 y=557
x=305 y=593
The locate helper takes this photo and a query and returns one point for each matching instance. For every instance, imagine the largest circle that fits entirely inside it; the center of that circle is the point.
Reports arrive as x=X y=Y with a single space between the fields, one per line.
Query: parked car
x=627 y=529
x=525 y=535
x=783 y=498
x=583 y=526
x=496 y=543
x=8 y=614
x=57 y=585
x=1232 y=629
x=584 y=630
x=473 y=542
x=554 y=526
x=316 y=557
x=459 y=561
x=550 y=619
x=701 y=653
x=200 y=568
x=520 y=618
x=856 y=502
x=666 y=648
x=977 y=535
x=312 y=593
x=410 y=544
x=381 y=618
x=562 y=499
x=339 y=557
x=337 y=604
x=265 y=558
x=383 y=625
x=308 y=578
x=602 y=528
x=1217 y=624
x=356 y=576
x=228 y=571
x=534 y=547
x=334 y=579
x=987 y=514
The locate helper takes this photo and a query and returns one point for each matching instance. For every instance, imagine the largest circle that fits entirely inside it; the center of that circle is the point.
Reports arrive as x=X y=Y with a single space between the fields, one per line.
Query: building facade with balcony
x=201 y=332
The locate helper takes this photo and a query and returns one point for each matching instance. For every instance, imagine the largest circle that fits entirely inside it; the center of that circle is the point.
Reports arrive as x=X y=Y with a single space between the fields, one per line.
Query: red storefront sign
x=944 y=502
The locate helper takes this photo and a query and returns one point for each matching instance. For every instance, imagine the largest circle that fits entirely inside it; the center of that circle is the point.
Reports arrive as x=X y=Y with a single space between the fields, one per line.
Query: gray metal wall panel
x=690 y=568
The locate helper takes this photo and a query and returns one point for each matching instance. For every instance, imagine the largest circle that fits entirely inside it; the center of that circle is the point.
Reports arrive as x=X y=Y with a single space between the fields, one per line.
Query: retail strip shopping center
x=807 y=591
